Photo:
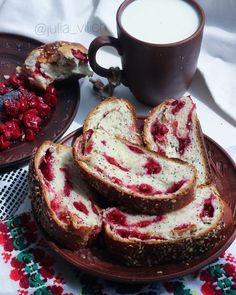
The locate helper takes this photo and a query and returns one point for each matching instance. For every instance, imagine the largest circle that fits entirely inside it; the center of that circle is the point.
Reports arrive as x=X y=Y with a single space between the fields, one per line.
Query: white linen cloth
x=74 y=20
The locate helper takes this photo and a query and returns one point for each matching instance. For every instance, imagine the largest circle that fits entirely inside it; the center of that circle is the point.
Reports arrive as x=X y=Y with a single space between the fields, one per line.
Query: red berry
x=145 y=188
x=23 y=104
x=80 y=55
x=32 y=120
x=16 y=80
x=3 y=88
x=30 y=134
x=14 y=129
x=4 y=144
x=43 y=109
x=34 y=102
x=50 y=96
x=11 y=107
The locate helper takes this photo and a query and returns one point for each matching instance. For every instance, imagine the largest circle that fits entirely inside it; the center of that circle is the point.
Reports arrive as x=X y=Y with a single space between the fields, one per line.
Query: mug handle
x=94 y=47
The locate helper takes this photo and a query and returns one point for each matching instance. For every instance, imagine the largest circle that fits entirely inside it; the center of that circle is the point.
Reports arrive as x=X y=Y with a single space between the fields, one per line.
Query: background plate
x=13 y=51
x=97 y=261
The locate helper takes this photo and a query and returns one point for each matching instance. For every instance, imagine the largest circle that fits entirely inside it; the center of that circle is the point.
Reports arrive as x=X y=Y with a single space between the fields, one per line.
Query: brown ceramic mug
x=152 y=71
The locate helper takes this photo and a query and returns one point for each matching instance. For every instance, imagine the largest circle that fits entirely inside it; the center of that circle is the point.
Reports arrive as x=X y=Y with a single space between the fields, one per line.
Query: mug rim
x=173 y=44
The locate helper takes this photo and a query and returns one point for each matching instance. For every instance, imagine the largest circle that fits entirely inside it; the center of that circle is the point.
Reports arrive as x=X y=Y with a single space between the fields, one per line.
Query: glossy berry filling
x=113 y=161
x=152 y=166
x=176 y=186
x=208 y=208
x=23 y=111
x=81 y=207
x=177 y=106
x=135 y=149
x=159 y=132
x=80 y=55
x=46 y=166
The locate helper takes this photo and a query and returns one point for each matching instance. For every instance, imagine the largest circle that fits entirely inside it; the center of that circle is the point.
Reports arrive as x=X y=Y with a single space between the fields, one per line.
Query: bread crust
x=135 y=202
x=136 y=252
x=200 y=137
x=150 y=253
x=71 y=236
x=111 y=99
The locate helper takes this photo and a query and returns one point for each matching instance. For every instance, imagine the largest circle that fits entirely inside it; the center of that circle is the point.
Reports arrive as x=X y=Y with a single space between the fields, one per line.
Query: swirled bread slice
x=61 y=201
x=131 y=176
x=173 y=129
x=117 y=117
x=182 y=235
x=55 y=61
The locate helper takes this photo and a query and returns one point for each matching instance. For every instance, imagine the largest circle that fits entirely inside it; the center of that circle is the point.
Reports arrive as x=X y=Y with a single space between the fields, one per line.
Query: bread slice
x=183 y=235
x=131 y=176
x=55 y=61
x=173 y=129
x=61 y=201
x=117 y=117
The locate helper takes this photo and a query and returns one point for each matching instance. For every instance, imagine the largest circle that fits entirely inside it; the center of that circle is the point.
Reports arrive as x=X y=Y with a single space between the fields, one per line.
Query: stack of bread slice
x=162 y=205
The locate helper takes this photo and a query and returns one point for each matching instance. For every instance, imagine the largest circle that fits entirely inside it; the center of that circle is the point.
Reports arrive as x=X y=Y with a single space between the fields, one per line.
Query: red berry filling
x=113 y=161
x=94 y=208
x=135 y=149
x=176 y=186
x=116 y=180
x=55 y=205
x=159 y=132
x=190 y=120
x=80 y=55
x=98 y=169
x=145 y=223
x=38 y=71
x=81 y=207
x=152 y=166
x=161 y=151
x=89 y=148
x=23 y=113
x=208 y=209
x=104 y=142
x=46 y=166
x=177 y=106
x=184 y=142
x=183 y=226
x=145 y=188
x=116 y=217
x=64 y=216
x=68 y=186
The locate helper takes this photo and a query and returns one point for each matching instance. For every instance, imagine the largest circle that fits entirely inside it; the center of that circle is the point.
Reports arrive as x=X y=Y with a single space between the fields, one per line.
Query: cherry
x=3 y=88
x=11 y=107
x=80 y=55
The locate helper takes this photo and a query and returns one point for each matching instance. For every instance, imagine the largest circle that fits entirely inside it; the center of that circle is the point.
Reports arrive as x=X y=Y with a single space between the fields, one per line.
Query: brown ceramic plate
x=97 y=261
x=13 y=51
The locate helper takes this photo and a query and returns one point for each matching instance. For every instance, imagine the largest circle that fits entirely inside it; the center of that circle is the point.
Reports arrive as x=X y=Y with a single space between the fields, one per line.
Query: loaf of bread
x=55 y=61
x=131 y=176
x=117 y=117
x=173 y=129
x=61 y=201
x=183 y=235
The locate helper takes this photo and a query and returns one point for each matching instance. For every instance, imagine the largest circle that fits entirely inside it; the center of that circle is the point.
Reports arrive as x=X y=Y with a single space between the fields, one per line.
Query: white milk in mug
x=160 y=21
